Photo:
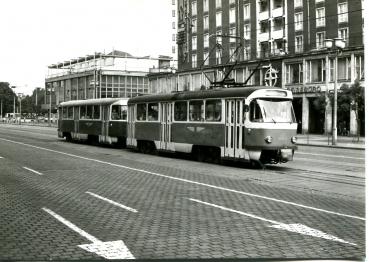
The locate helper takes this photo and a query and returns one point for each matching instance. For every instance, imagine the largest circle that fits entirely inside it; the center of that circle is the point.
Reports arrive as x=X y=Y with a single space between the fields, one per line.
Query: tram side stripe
x=189 y=181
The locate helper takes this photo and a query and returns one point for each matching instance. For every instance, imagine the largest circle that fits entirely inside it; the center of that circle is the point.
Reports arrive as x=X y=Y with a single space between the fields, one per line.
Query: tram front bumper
x=286 y=154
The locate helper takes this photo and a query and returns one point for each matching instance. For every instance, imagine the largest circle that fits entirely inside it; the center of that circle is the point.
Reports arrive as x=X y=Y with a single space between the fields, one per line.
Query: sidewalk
x=324 y=140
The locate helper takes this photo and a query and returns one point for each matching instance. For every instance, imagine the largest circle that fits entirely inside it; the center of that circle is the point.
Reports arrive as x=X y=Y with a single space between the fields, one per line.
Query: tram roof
x=200 y=94
x=100 y=101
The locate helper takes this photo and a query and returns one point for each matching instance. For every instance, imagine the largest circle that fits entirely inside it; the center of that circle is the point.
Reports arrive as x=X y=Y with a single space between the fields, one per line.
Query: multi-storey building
x=117 y=74
x=287 y=38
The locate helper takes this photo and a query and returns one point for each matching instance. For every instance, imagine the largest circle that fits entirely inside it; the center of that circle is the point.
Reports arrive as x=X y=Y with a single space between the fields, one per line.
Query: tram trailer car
x=96 y=120
x=252 y=124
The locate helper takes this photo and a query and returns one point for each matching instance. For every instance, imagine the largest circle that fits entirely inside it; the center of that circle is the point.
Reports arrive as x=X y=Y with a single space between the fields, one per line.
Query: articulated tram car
x=253 y=124
x=96 y=120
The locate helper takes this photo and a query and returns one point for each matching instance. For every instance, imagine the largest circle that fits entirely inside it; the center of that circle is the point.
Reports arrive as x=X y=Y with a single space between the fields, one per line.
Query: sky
x=38 y=33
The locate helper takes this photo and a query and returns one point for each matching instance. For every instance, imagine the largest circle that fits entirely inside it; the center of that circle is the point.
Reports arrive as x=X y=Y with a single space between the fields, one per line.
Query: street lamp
x=20 y=96
x=14 y=87
x=335 y=45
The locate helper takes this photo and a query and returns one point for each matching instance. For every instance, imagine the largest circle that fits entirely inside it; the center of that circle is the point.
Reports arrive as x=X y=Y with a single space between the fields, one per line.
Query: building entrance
x=297 y=107
x=316 y=115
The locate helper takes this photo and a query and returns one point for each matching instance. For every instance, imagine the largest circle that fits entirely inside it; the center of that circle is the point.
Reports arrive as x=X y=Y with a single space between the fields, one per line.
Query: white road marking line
x=188 y=181
x=112 y=202
x=1 y=157
x=338 y=156
x=296 y=228
x=108 y=250
x=34 y=171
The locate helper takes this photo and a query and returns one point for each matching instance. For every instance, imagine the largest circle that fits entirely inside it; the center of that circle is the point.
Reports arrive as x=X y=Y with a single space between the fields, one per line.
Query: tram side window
x=89 y=112
x=180 y=111
x=118 y=112
x=213 y=110
x=196 y=109
x=70 y=112
x=141 y=112
x=255 y=112
x=65 y=112
x=82 y=112
x=153 y=112
x=96 y=112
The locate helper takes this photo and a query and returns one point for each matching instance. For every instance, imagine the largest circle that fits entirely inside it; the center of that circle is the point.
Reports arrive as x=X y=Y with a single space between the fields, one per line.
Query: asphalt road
x=64 y=200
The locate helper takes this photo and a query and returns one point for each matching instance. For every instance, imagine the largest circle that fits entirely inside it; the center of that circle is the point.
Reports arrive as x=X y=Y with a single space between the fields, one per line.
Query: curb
x=331 y=146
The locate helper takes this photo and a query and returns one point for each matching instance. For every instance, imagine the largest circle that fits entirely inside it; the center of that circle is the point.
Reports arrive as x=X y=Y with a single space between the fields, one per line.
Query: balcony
x=263 y=15
x=277 y=12
x=277 y=34
x=263 y=37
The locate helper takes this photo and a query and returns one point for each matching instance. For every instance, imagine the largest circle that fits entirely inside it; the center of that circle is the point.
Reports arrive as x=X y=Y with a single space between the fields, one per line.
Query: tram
x=254 y=124
x=95 y=120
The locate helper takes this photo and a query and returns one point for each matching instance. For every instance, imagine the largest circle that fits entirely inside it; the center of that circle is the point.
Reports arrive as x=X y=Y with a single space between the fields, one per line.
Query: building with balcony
x=287 y=36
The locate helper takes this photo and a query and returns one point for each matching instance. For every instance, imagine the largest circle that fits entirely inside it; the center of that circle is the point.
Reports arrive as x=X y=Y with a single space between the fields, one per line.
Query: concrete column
x=353 y=123
x=328 y=115
x=305 y=114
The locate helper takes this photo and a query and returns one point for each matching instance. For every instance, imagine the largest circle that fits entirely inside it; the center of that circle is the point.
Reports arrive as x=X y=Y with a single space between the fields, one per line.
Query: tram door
x=131 y=125
x=165 y=125
x=234 y=128
x=105 y=123
x=76 y=120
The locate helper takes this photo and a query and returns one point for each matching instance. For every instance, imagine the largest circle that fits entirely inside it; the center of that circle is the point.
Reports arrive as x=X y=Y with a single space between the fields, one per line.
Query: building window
x=298 y=22
x=232 y=55
x=232 y=15
x=315 y=70
x=194 y=25
x=232 y=32
x=344 y=68
x=231 y=2
x=320 y=17
x=194 y=7
x=206 y=58
x=246 y=11
x=218 y=3
x=264 y=26
x=174 y=37
x=206 y=40
x=320 y=37
x=342 y=13
x=247 y=52
x=206 y=22
x=194 y=60
x=294 y=73
x=173 y=13
x=277 y=4
x=194 y=42
x=206 y=5
x=174 y=25
x=359 y=67
x=218 y=19
x=218 y=56
x=219 y=38
x=299 y=44
x=246 y=31
x=263 y=6
x=318 y=1
x=278 y=24
x=343 y=33
x=298 y=3
x=173 y=49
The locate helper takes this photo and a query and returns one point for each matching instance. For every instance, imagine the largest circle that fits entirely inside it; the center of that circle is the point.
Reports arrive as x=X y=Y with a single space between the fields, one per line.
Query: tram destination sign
x=305 y=89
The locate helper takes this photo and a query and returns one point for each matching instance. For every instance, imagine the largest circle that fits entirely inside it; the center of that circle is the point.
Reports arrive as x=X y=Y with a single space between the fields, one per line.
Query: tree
x=352 y=98
x=7 y=97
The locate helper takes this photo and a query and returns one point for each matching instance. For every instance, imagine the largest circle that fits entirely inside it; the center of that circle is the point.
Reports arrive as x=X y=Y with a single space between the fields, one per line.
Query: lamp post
x=13 y=87
x=20 y=96
x=335 y=45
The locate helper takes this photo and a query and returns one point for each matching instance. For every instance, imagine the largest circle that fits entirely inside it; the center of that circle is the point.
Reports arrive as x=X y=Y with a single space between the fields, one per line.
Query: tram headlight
x=294 y=139
x=268 y=139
